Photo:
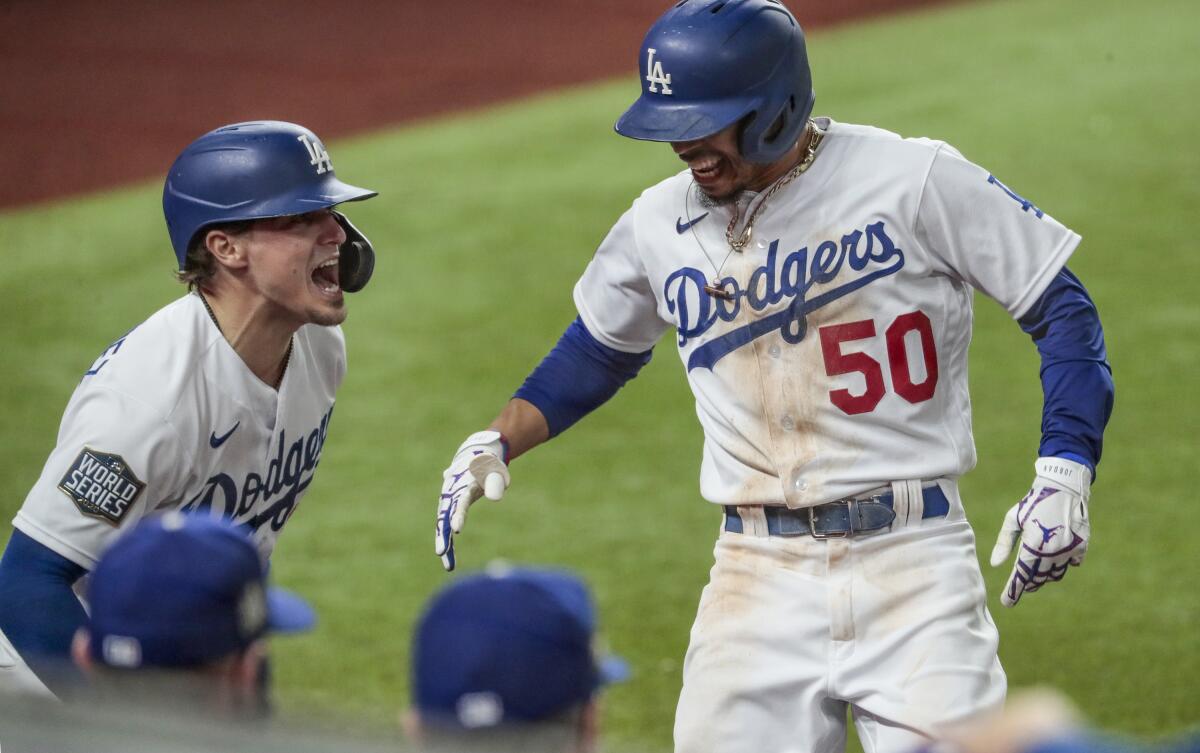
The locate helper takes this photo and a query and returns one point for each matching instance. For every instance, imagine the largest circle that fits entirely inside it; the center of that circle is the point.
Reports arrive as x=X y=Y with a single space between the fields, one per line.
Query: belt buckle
x=812 y=523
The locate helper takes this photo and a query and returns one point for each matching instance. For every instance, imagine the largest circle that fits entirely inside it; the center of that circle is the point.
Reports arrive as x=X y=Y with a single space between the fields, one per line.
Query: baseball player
x=219 y=403
x=818 y=277
x=179 y=614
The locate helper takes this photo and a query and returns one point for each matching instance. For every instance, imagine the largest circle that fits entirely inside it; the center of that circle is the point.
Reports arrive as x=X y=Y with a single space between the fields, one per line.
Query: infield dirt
x=100 y=94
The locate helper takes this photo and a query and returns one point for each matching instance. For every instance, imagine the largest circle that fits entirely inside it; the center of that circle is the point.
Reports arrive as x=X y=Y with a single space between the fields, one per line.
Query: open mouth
x=705 y=169
x=325 y=277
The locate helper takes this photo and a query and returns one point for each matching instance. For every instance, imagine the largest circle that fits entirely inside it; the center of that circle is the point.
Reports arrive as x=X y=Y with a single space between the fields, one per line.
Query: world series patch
x=101 y=485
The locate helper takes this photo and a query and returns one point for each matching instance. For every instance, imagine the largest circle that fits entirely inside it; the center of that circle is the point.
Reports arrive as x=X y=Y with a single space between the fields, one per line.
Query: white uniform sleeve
x=977 y=229
x=614 y=296
x=115 y=460
x=337 y=357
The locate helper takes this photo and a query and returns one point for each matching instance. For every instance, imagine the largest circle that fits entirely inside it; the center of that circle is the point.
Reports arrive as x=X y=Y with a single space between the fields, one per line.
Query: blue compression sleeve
x=578 y=376
x=39 y=613
x=1077 y=384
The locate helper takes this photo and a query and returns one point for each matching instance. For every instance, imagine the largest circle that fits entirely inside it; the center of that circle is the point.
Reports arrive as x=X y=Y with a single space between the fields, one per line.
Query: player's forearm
x=576 y=377
x=523 y=426
x=1078 y=398
x=39 y=612
x=1076 y=379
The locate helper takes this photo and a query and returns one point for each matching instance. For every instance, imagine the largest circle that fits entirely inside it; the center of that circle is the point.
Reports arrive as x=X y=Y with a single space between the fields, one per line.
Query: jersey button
x=788 y=423
x=797 y=480
x=774 y=351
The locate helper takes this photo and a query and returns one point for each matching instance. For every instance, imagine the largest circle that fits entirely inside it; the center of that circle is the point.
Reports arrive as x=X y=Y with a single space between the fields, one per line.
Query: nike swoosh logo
x=214 y=441
x=681 y=227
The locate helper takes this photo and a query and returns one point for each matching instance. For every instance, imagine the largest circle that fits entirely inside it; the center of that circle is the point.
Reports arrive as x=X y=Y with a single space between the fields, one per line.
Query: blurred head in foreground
x=1044 y=720
x=179 y=613
x=504 y=660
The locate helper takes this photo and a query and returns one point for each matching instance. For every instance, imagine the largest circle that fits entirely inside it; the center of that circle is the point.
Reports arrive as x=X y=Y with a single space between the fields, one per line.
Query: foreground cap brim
x=288 y=613
x=656 y=119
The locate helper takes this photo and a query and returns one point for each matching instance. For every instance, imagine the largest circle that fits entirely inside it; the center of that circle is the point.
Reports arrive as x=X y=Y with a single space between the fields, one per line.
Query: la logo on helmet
x=655 y=75
x=317 y=154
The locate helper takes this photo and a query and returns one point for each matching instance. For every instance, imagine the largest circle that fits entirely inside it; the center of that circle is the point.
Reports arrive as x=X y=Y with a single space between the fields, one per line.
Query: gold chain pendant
x=718 y=291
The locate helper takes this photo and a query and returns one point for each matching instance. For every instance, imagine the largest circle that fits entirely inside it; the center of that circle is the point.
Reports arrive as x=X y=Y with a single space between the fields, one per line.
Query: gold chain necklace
x=738 y=242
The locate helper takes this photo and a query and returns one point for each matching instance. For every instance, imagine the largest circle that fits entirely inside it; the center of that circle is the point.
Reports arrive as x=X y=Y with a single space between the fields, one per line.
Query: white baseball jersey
x=170 y=417
x=839 y=362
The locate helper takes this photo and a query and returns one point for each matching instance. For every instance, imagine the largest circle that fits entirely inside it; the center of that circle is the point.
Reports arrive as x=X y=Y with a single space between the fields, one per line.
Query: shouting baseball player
x=219 y=403
x=819 y=277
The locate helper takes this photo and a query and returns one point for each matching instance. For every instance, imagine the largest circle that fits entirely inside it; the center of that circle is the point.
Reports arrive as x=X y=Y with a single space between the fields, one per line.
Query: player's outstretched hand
x=1051 y=524
x=479 y=468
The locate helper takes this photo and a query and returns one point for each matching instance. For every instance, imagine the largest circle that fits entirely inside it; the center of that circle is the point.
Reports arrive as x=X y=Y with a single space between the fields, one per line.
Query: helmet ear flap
x=748 y=135
x=356 y=257
x=744 y=133
x=765 y=144
x=780 y=120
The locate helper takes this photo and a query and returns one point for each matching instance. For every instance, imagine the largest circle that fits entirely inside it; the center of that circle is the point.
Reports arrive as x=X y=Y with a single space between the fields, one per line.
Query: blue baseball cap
x=508 y=646
x=182 y=591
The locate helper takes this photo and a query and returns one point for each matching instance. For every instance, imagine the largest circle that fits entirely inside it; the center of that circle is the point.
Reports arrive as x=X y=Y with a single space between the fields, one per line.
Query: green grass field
x=1087 y=107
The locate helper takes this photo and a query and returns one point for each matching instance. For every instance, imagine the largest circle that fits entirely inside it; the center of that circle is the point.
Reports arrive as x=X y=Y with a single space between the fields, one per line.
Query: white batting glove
x=1052 y=525
x=479 y=468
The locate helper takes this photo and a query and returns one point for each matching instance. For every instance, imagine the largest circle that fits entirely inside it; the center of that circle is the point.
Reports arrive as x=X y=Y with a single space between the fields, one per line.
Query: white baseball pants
x=793 y=632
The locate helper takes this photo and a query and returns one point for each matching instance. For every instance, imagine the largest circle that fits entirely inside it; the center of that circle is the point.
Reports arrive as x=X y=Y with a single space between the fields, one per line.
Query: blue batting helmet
x=250 y=171
x=707 y=64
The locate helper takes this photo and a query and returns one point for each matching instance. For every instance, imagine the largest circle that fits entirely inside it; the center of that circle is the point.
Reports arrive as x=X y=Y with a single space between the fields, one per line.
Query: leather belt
x=841 y=518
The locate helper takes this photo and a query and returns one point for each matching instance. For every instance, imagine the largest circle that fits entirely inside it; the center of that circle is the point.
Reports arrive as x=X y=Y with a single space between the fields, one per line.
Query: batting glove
x=479 y=468
x=1051 y=523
